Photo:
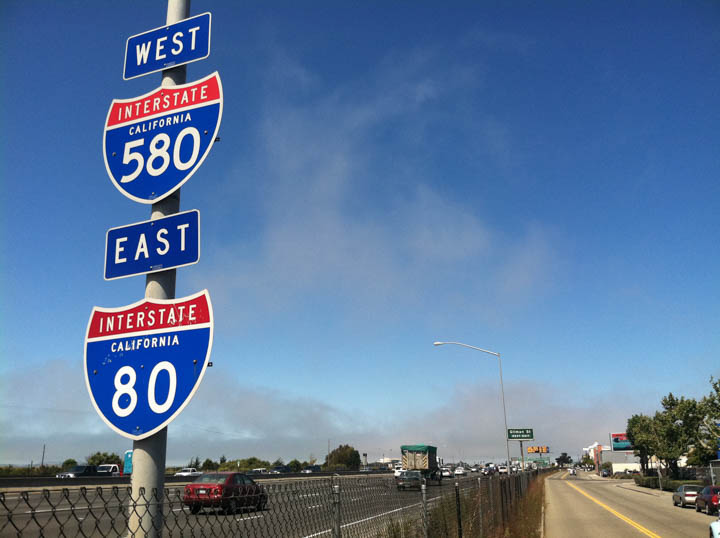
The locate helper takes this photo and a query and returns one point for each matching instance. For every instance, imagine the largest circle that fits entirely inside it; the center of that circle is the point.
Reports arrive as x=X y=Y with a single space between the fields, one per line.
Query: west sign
x=144 y=361
x=154 y=143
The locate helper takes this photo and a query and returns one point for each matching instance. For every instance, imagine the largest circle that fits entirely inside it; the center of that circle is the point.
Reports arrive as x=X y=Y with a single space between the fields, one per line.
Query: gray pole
x=502 y=391
x=146 y=519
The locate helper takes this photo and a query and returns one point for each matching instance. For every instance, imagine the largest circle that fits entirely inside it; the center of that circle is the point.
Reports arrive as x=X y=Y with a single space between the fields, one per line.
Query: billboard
x=619 y=442
x=538 y=449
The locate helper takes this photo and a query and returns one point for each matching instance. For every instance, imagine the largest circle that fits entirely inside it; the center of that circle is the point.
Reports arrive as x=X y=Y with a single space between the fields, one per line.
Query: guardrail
x=12 y=482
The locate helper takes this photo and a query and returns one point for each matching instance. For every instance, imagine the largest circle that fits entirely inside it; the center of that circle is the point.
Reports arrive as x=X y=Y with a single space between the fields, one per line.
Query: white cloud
x=228 y=416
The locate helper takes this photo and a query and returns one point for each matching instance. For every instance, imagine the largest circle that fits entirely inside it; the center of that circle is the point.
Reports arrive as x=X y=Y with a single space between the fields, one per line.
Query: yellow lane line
x=616 y=514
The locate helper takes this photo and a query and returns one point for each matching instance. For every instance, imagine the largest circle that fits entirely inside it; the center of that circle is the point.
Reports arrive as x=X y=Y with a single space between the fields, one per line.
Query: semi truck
x=422 y=458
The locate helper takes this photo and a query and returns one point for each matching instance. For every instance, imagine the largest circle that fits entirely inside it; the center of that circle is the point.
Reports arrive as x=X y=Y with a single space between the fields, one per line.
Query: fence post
x=480 y=506
x=423 y=488
x=457 y=508
x=336 y=510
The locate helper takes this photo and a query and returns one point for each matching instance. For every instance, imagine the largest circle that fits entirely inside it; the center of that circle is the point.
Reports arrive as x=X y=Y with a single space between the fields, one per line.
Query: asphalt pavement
x=587 y=505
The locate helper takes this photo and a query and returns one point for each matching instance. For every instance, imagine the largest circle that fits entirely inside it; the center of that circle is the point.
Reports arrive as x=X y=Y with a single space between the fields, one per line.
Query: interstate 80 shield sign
x=144 y=361
x=154 y=143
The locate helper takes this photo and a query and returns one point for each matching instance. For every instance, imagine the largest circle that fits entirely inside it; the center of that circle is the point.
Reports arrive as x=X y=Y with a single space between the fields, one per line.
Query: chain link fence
x=330 y=507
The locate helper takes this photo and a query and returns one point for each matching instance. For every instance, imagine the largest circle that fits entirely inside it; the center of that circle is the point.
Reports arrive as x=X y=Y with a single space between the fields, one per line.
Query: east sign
x=144 y=361
x=154 y=143
x=153 y=245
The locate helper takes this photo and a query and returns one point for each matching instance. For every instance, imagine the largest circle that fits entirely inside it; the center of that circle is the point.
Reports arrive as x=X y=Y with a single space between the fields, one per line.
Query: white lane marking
x=364 y=520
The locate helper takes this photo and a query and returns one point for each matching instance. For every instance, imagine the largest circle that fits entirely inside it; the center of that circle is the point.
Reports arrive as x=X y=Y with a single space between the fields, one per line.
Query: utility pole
x=149 y=454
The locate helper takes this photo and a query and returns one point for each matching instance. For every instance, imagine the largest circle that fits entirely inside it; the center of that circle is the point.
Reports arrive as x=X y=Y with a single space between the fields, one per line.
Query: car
x=228 y=491
x=605 y=473
x=707 y=499
x=460 y=471
x=398 y=469
x=446 y=472
x=280 y=469
x=573 y=472
x=685 y=494
x=108 y=469
x=188 y=471
x=408 y=479
x=715 y=529
x=502 y=469
x=78 y=471
x=311 y=469
x=473 y=469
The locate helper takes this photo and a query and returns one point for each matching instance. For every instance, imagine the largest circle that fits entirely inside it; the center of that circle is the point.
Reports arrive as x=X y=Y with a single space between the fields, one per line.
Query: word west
x=179 y=41
x=141 y=249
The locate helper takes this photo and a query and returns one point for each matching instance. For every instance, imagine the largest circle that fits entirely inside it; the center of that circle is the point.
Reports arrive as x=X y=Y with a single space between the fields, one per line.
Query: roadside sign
x=154 y=143
x=168 y=46
x=520 y=434
x=153 y=245
x=144 y=361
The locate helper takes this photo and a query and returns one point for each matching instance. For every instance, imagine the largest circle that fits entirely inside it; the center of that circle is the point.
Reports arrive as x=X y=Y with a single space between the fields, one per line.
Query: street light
x=502 y=389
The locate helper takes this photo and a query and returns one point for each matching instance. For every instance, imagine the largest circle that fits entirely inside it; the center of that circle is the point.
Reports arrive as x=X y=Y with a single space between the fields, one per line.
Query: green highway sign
x=520 y=434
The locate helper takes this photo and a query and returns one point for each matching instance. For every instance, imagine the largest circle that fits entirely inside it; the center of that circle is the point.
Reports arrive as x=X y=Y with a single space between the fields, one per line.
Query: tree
x=278 y=462
x=68 y=464
x=210 y=465
x=344 y=457
x=295 y=466
x=563 y=459
x=587 y=461
x=194 y=462
x=709 y=431
x=223 y=459
x=639 y=431
x=98 y=458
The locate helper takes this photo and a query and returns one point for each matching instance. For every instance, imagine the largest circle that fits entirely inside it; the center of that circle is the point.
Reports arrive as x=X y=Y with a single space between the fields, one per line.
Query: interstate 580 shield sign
x=154 y=143
x=144 y=361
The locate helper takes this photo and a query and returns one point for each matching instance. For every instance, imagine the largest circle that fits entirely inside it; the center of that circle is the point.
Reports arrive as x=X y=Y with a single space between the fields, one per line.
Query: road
x=587 y=506
x=295 y=509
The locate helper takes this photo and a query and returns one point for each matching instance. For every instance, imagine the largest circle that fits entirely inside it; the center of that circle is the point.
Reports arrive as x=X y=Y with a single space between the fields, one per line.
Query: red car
x=227 y=491
x=708 y=499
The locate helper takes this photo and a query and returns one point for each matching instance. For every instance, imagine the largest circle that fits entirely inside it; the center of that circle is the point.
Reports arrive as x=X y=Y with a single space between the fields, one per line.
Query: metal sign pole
x=149 y=453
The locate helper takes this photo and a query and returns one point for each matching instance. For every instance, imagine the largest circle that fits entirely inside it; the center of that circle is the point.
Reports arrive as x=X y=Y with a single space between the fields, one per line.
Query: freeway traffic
x=298 y=508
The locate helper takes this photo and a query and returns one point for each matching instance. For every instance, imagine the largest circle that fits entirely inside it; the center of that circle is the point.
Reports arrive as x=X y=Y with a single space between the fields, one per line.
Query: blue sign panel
x=154 y=143
x=153 y=245
x=168 y=46
x=144 y=362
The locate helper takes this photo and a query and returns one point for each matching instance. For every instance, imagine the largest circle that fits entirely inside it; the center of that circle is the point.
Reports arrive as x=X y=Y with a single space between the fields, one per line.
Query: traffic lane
x=569 y=515
x=651 y=509
x=295 y=511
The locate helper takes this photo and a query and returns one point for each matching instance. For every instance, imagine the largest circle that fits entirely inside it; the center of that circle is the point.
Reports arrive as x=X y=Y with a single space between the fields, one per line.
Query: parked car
x=685 y=494
x=460 y=471
x=398 y=469
x=446 y=472
x=188 y=471
x=707 y=499
x=502 y=469
x=605 y=473
x=108 y=469
x=78 y=471
x=408 y=479
x=227 y=491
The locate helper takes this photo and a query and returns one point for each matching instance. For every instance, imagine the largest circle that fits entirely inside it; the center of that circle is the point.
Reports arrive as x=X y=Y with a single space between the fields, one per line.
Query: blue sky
x=540 y=180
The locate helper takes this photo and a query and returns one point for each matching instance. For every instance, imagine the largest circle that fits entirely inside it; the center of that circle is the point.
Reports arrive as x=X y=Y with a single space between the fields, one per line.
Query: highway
x=298 y=508
x=587 y=505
